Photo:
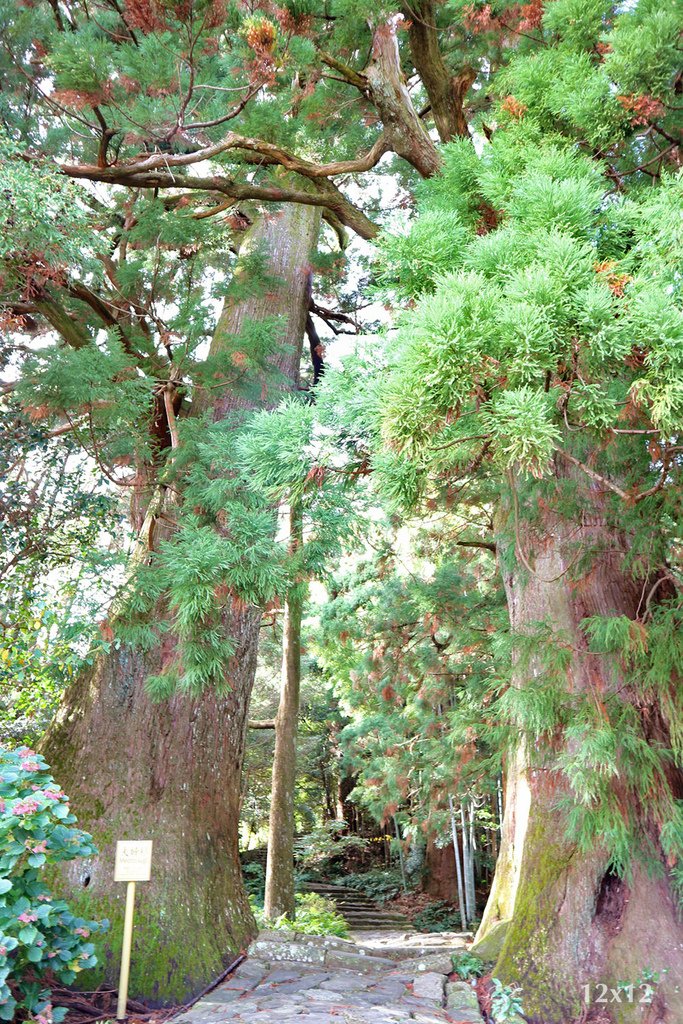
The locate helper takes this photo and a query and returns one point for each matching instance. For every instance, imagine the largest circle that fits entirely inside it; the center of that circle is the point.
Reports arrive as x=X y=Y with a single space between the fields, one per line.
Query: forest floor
x=323 y=980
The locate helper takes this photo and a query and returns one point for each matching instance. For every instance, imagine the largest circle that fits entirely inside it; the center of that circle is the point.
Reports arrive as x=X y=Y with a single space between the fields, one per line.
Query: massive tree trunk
x=171 y=772
x=501 y=900
x=279 y=898
x=574 y=921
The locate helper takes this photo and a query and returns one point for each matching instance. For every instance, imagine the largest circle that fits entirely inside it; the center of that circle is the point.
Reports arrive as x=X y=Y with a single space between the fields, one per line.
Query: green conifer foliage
x=535 y=371
x=546 y=358
x=409 y=644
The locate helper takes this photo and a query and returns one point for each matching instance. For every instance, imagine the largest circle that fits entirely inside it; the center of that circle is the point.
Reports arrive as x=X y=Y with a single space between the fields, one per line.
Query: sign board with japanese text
x=133 y=860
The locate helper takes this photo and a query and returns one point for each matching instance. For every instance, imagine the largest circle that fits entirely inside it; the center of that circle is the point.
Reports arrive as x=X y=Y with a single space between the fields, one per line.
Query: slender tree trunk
x=171 y=772
x=399 y=846
x=346 y=811
x=467 y=866
x=573 y=921
x=279 y=897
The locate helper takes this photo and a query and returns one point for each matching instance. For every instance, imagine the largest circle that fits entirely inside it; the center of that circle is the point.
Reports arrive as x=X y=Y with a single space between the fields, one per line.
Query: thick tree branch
x=484 y=544
x=269 y=151
x=354 y=78
x=631 y=499
x=446 y=92
x=268 y=724
x=383 y=84
x=103 y=311
x=326 y=194
x=402 y=125
x=73 y=332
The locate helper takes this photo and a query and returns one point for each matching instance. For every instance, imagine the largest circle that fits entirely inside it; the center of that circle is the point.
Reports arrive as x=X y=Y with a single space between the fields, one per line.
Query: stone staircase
x=360 y=912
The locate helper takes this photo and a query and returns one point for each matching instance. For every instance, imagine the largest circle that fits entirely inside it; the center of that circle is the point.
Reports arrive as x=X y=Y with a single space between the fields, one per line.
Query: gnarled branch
x=325 y=195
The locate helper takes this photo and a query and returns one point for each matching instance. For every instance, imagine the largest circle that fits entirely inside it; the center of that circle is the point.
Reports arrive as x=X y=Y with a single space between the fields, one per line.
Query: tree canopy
x=474 y=506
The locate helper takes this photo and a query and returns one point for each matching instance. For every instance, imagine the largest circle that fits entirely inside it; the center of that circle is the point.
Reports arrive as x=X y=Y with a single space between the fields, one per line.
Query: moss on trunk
x=171 y=772
x=574 y=922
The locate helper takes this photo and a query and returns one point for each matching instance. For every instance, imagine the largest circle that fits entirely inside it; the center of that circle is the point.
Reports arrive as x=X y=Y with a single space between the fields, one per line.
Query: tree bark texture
x=446 y=92
x=440 y=878
x=402 y=125
x=279 y=897
x=574 y=922
x=170 y=772
x=501 y=900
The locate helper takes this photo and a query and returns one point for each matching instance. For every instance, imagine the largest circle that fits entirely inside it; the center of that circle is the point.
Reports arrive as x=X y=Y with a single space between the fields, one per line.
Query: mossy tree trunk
x=501 y=900
x=574 y=922
x=279 y=896
x=170 y=772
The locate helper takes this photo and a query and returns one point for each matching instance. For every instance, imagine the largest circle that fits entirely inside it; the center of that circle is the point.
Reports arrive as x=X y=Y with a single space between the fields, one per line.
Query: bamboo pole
x=467 y=869
x=458 y=866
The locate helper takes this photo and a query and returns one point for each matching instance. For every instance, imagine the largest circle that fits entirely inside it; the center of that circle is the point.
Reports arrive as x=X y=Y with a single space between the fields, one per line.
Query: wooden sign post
x=133 y=864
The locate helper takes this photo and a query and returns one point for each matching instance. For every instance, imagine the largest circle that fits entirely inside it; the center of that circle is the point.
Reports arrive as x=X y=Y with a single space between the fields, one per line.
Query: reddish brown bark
x=440 y=877
x=402 y=125
x=573 y=921
x=170 y=772
x=446 y=91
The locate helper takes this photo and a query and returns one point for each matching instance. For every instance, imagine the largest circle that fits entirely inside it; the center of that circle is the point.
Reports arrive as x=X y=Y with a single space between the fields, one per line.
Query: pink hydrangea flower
x=28 y=806
x=40 y=847
x=30 y=766
x=43 y=897
x=3 y=950
x=53 y=794
x=83 y=932
x=26 y=918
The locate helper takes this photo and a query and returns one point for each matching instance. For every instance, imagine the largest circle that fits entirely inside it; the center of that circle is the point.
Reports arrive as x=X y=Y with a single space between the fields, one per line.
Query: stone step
x=318 y=950
x=359 y=911
x=373 y=919
x=380 y=929
x=360 y=904
x=333 y=890
x=344 y=898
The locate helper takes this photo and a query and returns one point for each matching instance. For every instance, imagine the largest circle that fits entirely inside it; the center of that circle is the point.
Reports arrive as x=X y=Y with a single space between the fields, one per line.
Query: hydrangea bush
x=41 y=942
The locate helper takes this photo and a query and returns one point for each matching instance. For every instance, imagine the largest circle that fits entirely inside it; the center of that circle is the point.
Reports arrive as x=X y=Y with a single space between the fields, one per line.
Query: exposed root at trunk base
x=100 y=1005
x=89 y=1007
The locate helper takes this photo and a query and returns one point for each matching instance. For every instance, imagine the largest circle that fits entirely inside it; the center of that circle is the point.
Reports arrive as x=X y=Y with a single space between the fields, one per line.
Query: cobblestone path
x=320 y=980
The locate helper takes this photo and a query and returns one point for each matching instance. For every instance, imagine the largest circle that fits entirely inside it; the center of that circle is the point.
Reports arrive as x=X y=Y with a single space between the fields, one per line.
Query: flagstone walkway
x=322 y=980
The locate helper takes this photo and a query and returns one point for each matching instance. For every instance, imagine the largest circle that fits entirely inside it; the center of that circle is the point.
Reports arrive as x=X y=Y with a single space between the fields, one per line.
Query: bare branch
x=170 y=414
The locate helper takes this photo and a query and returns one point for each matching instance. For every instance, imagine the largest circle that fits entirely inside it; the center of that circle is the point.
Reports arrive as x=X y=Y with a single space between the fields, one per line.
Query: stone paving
x=322 y=980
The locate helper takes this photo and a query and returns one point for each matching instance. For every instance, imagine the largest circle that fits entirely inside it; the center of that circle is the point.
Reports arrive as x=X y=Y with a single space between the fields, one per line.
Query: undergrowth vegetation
x=315 y=915
x=41 y=941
